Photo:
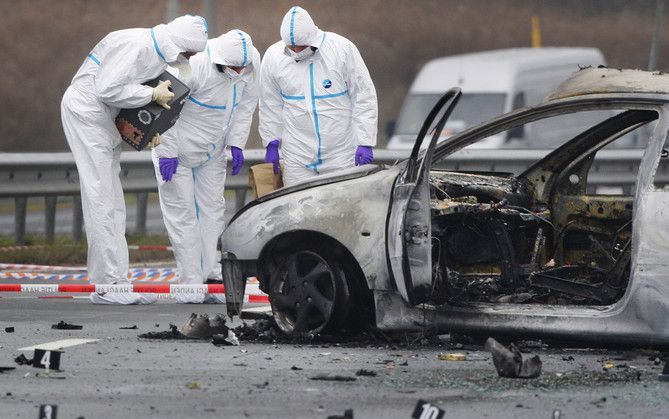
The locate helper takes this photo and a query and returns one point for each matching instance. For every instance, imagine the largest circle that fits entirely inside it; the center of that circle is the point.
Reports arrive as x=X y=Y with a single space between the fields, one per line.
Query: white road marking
x=58 y=344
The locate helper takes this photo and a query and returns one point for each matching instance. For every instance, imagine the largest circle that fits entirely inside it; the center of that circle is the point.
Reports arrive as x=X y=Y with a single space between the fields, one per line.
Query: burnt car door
x=409 y=224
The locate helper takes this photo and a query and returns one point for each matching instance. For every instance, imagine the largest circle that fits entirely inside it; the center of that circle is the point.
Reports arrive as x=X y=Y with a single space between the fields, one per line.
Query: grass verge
x=65 y=251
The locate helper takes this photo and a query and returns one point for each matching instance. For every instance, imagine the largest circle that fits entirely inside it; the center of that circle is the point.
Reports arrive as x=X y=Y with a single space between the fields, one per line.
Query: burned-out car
x=415 y=246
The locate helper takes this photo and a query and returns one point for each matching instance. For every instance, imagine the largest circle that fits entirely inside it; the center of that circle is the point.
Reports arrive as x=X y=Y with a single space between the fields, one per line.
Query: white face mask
x=232 y=74
x=299 y=56
x=183 y=65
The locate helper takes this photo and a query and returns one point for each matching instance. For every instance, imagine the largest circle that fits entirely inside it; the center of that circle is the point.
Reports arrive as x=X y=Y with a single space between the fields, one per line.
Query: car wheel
x=309 y=293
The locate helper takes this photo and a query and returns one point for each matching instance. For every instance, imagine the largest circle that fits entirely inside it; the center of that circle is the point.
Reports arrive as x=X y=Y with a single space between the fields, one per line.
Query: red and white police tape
x=252 y=295
x=130 y=247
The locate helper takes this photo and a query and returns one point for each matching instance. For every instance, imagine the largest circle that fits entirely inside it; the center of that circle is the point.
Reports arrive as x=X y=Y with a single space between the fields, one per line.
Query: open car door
x=409 y=223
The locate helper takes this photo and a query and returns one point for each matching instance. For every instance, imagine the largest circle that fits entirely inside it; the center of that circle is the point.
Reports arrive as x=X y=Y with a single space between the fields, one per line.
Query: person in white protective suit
x=317 y=101
x=110 y=79
x=190 y=164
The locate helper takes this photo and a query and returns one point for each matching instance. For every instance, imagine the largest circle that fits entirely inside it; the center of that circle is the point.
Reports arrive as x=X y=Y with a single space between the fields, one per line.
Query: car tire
x=309 y=293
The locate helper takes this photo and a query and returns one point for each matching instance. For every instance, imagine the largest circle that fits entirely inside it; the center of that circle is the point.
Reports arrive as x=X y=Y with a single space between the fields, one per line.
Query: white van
x=492 y=83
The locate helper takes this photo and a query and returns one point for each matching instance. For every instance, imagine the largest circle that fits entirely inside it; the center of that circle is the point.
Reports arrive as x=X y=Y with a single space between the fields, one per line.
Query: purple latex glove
x=237 y=159
x=168 y=166
x=272 y=155
x=363 y=155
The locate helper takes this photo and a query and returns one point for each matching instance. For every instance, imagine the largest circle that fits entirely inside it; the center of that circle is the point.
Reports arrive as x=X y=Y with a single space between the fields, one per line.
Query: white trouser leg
x=210 y=198
x=177 y=203
x=101 y=196
x=119 y=215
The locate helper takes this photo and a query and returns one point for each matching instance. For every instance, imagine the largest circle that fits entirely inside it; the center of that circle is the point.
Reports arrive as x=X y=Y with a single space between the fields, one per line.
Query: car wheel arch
x=285 y=242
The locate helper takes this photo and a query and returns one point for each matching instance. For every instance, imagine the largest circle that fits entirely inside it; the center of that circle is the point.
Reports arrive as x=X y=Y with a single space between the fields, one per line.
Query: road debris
x=256 y=313
x=22 y=360
x=193 y=385
x=134 y=327
x=509 y=362
x=3 y=369
x=261 y=385
x=365 y=373
x=452 y=357
x=325 y=377
x=61 y=325
x=172 y=334
x=201 y=326
x=9 y=329
x=228 y=339
x=665 y=372
x=348 y=414
x=294 y=368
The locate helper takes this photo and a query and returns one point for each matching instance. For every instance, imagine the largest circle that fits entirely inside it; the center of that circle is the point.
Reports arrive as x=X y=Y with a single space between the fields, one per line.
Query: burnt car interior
x=540 y=237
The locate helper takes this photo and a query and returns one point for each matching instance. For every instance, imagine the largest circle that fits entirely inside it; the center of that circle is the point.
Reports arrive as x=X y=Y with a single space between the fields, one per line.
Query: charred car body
x=416 y=247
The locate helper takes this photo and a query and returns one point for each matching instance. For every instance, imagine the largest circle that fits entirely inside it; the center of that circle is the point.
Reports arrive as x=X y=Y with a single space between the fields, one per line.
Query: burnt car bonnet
x=352 y=173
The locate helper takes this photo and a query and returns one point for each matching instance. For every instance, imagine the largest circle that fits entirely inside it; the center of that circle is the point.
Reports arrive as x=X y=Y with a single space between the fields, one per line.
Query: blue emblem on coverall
x=327 y=83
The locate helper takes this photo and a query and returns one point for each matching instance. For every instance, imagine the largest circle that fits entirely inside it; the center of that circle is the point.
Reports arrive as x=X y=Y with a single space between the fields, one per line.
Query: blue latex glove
x=168 y=166
x=363 y=155
x=237 y=159
x=272 y=155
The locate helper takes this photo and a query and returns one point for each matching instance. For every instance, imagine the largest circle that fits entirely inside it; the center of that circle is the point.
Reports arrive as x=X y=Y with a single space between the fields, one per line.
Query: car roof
x=473 y=71
x=604 y=80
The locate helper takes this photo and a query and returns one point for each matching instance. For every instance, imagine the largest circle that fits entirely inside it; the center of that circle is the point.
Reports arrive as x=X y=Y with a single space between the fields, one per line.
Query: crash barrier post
x=21 y=204
x=77 y=218
x=50 y=202
x=55 y=174
x=142 y=204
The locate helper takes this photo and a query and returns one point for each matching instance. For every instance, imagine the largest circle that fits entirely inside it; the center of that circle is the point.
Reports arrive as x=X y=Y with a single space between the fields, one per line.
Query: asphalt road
x=123 y=376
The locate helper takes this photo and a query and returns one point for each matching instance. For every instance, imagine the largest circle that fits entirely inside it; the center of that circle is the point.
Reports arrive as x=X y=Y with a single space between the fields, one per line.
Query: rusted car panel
x=492 y=253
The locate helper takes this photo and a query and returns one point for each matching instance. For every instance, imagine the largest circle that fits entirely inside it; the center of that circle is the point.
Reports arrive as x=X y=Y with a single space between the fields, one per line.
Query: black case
x=138 y=126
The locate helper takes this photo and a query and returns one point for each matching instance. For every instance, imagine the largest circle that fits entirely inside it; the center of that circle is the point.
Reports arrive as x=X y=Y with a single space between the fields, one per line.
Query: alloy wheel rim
x=304 y=295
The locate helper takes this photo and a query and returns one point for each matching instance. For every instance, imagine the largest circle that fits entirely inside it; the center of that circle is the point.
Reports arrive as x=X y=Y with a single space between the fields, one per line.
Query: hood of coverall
x=183 y=34
x=234 y=48
x=298 y=28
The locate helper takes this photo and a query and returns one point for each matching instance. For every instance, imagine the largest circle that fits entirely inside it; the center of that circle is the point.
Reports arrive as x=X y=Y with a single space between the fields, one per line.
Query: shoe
x=123 y=298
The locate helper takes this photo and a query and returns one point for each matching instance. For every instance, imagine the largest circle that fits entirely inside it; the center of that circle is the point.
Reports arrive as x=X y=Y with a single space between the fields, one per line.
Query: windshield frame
x=503 y=96
x=547 y=109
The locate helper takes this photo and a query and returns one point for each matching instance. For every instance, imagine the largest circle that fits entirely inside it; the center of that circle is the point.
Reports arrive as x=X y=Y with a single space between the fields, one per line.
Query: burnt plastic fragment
x=325 y=377
x=22 y=360
x=348 y=414
x=61 y=325
x=509 y=362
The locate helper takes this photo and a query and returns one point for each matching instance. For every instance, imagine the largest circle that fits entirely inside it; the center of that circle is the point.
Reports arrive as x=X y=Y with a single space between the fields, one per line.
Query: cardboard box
x=138 y=126
x=263 y=180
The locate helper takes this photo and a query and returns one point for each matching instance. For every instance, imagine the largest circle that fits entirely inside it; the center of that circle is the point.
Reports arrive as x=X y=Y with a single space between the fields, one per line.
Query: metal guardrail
x=50 y=175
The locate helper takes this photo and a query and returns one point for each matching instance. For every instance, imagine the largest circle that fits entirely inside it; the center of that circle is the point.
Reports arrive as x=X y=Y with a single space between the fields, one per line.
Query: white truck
x=492 y=83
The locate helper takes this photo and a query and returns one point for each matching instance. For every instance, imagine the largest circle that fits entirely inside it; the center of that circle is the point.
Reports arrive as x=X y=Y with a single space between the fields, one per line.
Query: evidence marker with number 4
x=47 y=359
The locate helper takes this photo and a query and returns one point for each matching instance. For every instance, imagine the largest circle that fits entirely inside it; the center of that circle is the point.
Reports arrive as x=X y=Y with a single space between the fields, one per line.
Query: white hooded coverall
x=218 y=112
x=111 y=79
x=320 y=108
